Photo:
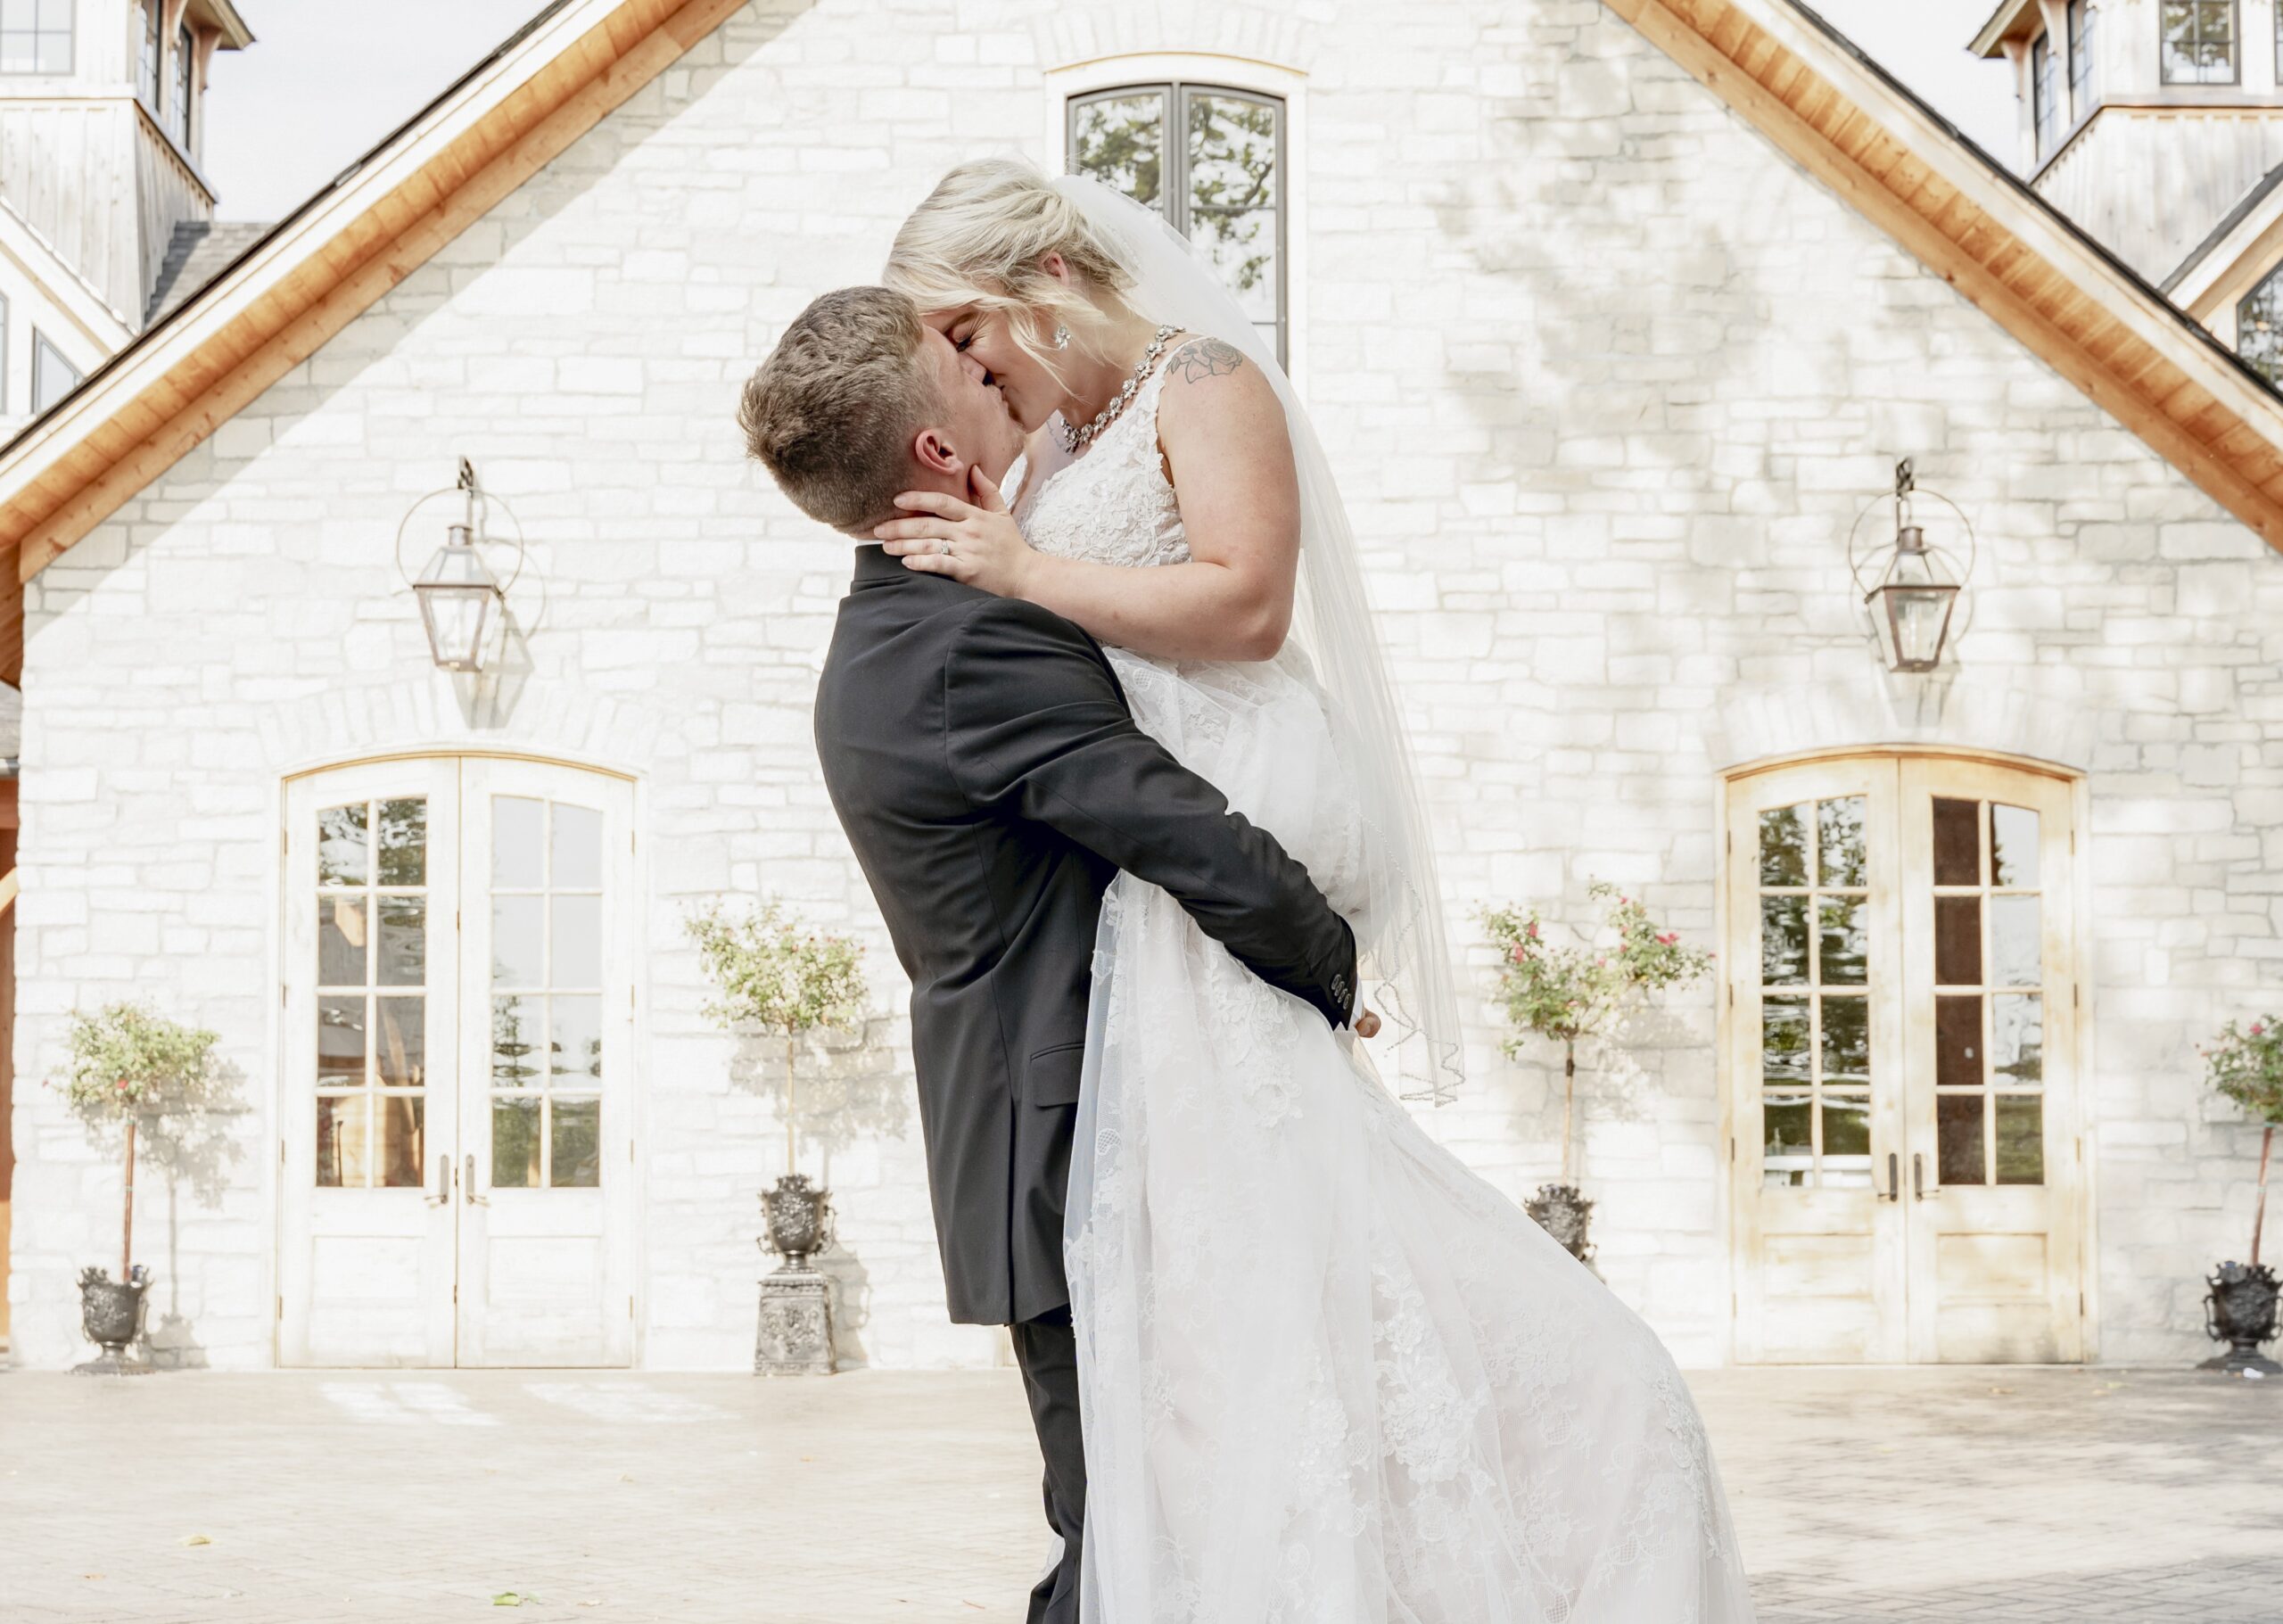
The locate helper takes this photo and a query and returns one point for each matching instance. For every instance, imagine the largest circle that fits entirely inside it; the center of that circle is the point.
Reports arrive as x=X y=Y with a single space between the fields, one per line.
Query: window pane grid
x=1989 y=1007
x=2083 y=20
x=370 y=1045
x=2199 y=41
x=35 y=37
x=1815 y=1038
x=1209 y=159
x=545 y=1067
x=2043 y=96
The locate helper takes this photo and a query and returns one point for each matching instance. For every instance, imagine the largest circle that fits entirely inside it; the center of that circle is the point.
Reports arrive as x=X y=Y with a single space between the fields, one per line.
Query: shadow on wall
x=850 y=1093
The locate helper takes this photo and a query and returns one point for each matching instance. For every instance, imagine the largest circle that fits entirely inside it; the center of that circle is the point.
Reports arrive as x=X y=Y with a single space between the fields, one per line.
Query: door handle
x=1894 y=1178
x=469 y=1187
x=443 y=1179
x=1918 y=1177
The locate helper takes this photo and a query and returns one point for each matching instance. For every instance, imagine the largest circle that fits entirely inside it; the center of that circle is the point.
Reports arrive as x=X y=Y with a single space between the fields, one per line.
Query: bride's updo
x=977 y=242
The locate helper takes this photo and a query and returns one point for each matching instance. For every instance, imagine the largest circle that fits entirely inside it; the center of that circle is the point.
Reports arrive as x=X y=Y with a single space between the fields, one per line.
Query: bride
x=1329 y=1375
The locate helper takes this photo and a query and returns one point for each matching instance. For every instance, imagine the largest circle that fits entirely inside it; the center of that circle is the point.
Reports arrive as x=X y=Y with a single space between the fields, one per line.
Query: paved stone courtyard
x=2000 y=1496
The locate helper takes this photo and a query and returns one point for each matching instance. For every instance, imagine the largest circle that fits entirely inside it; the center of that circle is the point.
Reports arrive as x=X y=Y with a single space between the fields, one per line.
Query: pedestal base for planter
x=796 y=1334
x=2240 y=1311
x=111 y=1317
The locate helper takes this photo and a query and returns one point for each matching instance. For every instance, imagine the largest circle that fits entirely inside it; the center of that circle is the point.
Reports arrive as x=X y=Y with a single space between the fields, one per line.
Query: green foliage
x=1233 y=181
x=777 y=977
x=1569 y=993
x=128 y=1061
x=2246 y=1065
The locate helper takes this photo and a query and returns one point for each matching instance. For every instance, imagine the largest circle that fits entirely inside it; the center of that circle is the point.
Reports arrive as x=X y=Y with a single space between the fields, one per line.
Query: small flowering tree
x=777 y=975
x=1567 y=993
x=130 y=1067
x=2246 y=1065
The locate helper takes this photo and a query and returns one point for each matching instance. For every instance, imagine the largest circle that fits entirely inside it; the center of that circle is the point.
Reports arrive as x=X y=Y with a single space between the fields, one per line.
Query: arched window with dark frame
x=1211 y=159
x=2198 y=44
x=2259 y=328
x=2044 y=95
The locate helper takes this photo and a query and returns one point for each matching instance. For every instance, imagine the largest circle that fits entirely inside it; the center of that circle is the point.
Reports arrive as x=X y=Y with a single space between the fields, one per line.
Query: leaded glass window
x=1209 y=159
x=147 y=70
x=186 y=81
x=2199 y=42
x=2082 y=19
x=2044 y=94
x=2259 y=328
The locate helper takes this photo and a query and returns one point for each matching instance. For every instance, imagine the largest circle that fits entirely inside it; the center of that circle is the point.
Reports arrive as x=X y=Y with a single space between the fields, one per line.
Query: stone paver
x=2002 y=1495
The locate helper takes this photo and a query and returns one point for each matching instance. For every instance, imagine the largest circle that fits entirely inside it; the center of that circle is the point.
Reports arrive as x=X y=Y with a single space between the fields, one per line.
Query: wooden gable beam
x=2131 y=379
x=339 y=279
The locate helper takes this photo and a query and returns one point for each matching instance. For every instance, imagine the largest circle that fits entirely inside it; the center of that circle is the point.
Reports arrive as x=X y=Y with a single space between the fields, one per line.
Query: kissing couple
x=1120 y=762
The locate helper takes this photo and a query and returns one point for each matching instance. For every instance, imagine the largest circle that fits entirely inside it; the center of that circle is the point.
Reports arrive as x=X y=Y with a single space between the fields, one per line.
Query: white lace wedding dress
x=1329 y=1375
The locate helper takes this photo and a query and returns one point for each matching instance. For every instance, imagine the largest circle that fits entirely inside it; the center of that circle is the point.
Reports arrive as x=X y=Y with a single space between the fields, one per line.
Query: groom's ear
x=934 y=453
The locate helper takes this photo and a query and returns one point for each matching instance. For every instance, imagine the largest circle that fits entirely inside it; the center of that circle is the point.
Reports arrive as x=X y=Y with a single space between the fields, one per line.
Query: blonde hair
x=978 y=241
x=831 y=413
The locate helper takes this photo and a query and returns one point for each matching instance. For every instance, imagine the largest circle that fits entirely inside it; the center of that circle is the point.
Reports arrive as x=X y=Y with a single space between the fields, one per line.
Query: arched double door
x=455 y=1139
x=1902 y=994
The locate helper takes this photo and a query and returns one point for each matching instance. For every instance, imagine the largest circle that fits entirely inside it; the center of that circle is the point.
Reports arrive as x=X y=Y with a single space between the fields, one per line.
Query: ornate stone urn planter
x=1563 y=1212
x=777 y=978
x=2246 y=1065
x=2240 y=1312
x=110 y=1314
x=800 y=1219
x=1567 y=994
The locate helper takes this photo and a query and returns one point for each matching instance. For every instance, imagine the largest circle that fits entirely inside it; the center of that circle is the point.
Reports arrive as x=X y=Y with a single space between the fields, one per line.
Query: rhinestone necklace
x=1075 y=440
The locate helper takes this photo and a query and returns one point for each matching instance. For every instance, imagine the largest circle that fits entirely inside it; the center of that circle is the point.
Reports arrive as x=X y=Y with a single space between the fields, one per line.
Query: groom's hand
x=975 y=541
x=1367 y=1025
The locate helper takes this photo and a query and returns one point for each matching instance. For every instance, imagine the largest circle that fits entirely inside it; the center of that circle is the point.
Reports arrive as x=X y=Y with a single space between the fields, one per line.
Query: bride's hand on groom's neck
x=974 y=540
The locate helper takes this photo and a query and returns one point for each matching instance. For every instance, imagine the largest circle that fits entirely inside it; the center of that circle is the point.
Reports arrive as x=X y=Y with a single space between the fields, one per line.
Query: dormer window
x=2199 y=42
x=2044 y=94
x=36 y=36
x=148 y=70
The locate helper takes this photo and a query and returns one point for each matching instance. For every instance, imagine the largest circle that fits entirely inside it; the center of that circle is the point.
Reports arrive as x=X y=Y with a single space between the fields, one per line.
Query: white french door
x=1902 y=975
x=456 y=1150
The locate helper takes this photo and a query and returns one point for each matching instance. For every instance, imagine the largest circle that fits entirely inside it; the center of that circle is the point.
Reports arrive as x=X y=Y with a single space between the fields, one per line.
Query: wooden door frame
x=280 y=899
x=2083 y=1019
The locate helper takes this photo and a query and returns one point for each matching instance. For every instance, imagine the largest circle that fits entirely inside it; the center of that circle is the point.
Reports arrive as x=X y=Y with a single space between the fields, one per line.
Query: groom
x=983 y=760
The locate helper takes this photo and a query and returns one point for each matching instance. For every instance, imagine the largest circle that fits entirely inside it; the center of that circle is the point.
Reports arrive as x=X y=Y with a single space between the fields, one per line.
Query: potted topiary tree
x=130 y=1068
x=1568 y=995
x=2246 y=1065
x=778 y=979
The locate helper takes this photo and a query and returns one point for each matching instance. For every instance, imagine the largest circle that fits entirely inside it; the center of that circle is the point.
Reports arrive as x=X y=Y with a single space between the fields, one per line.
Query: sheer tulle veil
x=1406 y=958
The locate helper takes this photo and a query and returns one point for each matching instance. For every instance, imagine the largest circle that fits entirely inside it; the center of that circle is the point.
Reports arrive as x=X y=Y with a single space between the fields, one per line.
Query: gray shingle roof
x=199 y=253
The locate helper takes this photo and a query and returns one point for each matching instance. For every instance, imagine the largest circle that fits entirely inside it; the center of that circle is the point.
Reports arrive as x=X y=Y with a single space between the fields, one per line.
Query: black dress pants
x=1048 y=1353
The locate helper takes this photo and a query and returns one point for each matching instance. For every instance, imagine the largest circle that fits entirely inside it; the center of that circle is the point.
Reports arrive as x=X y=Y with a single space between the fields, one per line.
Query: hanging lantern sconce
x=1911 y=588
x=462 y=605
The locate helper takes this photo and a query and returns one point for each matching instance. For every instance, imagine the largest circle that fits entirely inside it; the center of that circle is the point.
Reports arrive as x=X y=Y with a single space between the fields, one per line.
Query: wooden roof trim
x=264 y=316
x=2006 y=251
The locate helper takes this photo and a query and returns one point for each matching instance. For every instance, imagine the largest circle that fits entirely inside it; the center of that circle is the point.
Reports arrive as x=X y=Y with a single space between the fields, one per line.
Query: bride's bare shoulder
x=1214 y=400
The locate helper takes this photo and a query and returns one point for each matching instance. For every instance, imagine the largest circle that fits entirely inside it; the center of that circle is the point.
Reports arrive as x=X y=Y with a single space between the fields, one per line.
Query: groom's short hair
x=832 y=411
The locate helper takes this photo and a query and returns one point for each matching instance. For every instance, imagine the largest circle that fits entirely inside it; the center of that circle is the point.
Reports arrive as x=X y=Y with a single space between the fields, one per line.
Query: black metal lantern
x=1918 y=588
x=462 y=603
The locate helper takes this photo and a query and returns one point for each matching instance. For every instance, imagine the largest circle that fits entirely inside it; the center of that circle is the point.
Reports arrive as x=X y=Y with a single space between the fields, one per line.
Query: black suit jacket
x=983 y=760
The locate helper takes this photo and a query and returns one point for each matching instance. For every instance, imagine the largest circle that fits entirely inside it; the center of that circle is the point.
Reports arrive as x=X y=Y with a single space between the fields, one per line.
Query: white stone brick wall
x=1606 y=379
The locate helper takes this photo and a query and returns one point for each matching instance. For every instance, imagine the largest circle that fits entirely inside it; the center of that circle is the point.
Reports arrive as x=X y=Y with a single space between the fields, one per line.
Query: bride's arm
x=1230 y=454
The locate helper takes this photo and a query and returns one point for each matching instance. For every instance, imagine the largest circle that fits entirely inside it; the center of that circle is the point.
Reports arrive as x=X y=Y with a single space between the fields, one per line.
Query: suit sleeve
x=1036 y=727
